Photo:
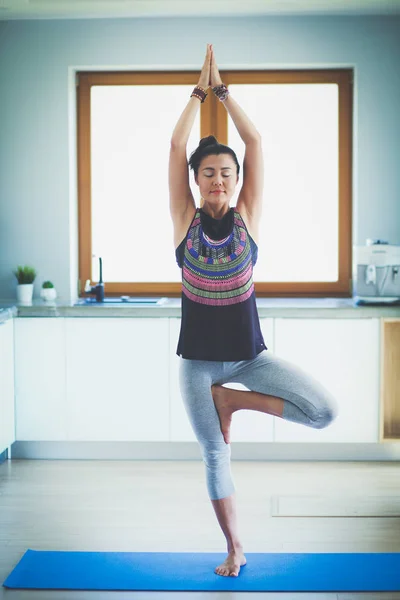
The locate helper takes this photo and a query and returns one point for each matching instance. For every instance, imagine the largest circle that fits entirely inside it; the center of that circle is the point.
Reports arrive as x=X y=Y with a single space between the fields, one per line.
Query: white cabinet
x=247 y=425
x=344 y=356
x=40 y=392
x=7 y=421
x=117 y=379
x=91 y=379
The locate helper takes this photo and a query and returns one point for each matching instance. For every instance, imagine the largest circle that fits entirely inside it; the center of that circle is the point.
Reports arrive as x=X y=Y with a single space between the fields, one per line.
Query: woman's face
x=217 y=172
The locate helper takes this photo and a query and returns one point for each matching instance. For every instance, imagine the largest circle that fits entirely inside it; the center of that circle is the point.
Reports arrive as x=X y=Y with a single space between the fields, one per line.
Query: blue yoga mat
x=192 y=571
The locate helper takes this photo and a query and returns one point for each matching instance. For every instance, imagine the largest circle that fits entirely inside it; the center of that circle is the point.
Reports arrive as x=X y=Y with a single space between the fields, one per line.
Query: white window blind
x=131 y=129
x=298 y=124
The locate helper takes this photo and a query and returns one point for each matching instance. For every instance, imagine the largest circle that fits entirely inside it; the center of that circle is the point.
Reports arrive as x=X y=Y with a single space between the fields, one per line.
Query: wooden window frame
x=214 y=121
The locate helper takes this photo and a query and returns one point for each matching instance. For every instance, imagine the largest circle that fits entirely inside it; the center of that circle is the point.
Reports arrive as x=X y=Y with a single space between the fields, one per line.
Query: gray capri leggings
x=306 y=401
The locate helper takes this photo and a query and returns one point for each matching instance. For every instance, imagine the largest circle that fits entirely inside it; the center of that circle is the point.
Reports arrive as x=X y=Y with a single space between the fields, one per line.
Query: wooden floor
x=157 y=506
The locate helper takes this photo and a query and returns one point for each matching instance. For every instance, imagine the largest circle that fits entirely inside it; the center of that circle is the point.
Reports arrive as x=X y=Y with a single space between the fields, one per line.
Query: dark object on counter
x=97 y=289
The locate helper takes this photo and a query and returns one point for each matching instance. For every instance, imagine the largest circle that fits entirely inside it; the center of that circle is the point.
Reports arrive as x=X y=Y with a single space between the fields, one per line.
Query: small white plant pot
x=48 y=294
x=24 y=293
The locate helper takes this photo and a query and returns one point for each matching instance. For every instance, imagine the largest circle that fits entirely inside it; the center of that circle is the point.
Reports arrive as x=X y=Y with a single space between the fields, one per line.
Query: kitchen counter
x=332 y=308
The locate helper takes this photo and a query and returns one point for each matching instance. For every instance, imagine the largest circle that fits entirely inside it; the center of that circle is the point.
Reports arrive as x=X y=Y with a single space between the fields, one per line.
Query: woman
x=220 y=339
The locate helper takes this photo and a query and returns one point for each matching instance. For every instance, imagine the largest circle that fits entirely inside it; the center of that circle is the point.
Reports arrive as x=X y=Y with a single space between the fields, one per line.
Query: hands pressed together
x=209 y=75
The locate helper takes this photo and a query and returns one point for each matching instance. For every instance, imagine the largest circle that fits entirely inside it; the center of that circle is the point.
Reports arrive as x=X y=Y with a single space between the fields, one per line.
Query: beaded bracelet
x=200 y=93
x=221 y=91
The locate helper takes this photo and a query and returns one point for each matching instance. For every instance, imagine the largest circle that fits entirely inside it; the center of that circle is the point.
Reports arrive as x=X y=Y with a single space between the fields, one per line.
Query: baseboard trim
x=191 y=451
x=3 y=456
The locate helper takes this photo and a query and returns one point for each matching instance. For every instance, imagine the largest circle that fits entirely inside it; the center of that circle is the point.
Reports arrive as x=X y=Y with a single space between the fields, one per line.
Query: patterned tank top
x=219 y=313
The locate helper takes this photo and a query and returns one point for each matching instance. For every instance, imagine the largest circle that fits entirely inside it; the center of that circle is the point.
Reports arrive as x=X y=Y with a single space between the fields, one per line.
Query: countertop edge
x=267 y=307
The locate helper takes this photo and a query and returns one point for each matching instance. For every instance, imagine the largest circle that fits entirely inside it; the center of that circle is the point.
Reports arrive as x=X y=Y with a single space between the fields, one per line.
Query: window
x=125 y=122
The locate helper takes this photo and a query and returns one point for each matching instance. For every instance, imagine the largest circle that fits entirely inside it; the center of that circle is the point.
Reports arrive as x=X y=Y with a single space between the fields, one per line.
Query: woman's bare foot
x=232 y=563
x=224 y=409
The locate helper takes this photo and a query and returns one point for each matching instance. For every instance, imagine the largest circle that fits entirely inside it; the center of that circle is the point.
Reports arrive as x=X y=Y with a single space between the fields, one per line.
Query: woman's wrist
x=221 y=91
x=199 y=92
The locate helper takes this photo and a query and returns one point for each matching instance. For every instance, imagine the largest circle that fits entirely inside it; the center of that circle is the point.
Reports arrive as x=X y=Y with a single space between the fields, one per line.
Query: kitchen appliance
x=376 y=273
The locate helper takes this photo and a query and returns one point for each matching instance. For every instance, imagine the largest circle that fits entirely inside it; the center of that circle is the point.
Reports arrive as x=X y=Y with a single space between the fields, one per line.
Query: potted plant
x=48 y=291
x=25 y=276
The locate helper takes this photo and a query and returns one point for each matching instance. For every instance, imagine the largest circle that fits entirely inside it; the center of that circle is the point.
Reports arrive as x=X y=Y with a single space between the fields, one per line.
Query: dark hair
x=210 y=145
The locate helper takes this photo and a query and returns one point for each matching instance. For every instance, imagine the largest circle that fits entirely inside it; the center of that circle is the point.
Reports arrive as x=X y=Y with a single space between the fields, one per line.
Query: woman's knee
x=327 y=415
x=216 y=455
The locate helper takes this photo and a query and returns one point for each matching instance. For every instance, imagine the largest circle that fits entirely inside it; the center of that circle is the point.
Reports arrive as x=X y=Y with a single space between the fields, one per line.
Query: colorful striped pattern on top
x=220 y=272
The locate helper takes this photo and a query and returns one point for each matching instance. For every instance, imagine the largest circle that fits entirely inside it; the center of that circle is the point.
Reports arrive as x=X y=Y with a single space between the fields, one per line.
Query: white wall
x=38 y=217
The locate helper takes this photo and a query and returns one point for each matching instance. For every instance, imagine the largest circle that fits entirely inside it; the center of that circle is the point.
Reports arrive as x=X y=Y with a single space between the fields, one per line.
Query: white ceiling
x=87 y=9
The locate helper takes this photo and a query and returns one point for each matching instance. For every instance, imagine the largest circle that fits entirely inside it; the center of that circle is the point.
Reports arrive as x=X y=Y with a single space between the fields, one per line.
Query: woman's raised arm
x=251 y=195
x=180 y=194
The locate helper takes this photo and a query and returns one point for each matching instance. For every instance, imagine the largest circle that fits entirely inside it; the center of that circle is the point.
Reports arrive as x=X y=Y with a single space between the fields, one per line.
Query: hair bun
x=208 y=141
x=209 y=146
